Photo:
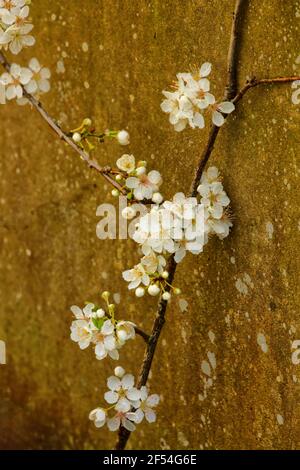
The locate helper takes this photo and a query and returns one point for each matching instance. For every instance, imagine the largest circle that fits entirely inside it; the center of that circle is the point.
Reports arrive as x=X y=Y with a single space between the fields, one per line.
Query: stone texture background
x=110 y=60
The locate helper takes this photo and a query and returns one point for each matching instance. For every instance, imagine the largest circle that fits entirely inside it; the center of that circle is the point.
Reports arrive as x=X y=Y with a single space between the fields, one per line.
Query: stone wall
x=110 y=60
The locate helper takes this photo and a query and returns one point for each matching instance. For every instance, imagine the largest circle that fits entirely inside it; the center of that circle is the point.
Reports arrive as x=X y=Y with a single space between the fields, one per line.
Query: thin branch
x=233 y=51
x=104 y=171
x=171 y=267
x=141 y=333
x=264 y=81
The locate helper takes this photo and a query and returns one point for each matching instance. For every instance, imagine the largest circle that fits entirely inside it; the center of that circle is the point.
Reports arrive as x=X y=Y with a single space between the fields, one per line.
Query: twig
x=162 y=306
x=264 y=81
x=141 y=333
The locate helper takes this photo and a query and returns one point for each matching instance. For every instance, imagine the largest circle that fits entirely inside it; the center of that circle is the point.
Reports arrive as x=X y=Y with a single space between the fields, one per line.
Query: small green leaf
x=98 y=322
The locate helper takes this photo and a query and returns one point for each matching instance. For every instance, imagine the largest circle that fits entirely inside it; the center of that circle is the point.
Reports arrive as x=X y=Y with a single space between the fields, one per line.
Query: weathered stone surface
x=242 y=294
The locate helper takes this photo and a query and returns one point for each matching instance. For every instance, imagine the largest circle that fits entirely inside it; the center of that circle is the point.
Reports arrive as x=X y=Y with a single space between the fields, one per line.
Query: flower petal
x=218 y=119
x=123 y=405
x=133 y=394
x=128 y=425
x=111 y=397
x=153 y=400
x=226 y=107
x=114 y=383
x=113 y=424
x=205 y=69
x=127 y=381
x=150 y=415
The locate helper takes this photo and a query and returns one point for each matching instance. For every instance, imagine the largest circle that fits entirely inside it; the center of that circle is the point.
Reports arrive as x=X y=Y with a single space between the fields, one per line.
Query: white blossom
x=145 y=409
x=126 y=163
x=125 y=330
x=81 y=328
x=144 y=185
x=10 y=4
x=136 y=276
x=154 y=263
x=105 y=341
x=127 y=404
x=39 y=84
x=214 y=198
x=122 y=393
x=181 y=206
x=15 y=16
x=14 y=80
x=94 y=326
x=154 y=231
x=220 y=227
x=296 y=93
x=16 y=38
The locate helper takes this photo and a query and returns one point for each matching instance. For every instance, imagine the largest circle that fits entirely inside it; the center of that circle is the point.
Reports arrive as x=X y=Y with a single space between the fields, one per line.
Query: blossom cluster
x=170 y=228
x=175 y=228
x=14 y=35
x=191 y=98
x=15 y=25
x=92 y=325
x=129 y=404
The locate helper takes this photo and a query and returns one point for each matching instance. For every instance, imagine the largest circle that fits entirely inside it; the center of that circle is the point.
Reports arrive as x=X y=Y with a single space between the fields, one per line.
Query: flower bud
x=105 y=295
x=157 y=198
x=177 y=291
x=87 y=122
x=140 y=292
x=115 y=193
x=166 y=296
x=165 y=275
x=119 y=372
x=153 y=290
x=128 y=213
x=76 y=137
x=119 y=178
x=123 y=138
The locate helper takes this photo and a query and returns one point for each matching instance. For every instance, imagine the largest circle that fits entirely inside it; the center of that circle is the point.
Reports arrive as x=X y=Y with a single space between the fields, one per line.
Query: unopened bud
x=123 y=138
x=105 y=295
x=76 y=137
